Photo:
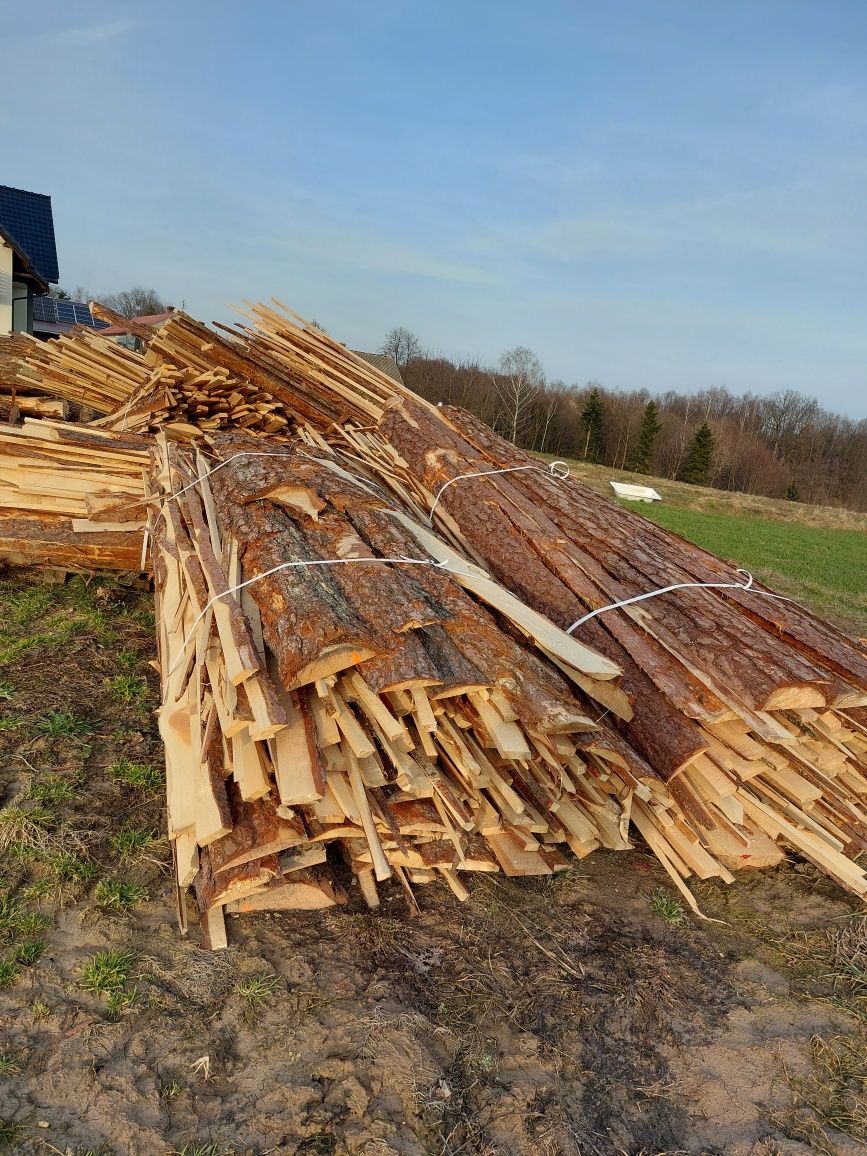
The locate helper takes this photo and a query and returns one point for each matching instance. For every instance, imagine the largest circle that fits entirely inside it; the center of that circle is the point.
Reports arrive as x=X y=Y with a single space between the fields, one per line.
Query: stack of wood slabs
x=189 y=402
x=375 y=709
x=741 y=703
x=84 y=368
x=71 y=497
x=318 y=380
x=695 y=681
x=14 y=404
x=13 y=348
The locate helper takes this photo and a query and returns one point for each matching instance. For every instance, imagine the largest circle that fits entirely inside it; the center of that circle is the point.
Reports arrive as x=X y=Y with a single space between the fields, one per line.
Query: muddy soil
x=583 y=1015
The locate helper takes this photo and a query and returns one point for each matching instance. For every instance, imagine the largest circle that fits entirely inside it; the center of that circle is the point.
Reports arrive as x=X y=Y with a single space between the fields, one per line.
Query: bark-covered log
x=663 y=557
x=28 y=539
x=547 y=552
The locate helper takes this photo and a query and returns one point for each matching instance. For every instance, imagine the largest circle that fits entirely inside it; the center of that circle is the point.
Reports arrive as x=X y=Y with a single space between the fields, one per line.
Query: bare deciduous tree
x=135 y=302
x=520 y=381
x=77 y=293
x=401 y=344
x=549 y=401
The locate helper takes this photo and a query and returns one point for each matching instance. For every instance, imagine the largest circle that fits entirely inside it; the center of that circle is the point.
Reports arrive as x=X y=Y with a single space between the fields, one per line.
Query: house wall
x=5 y=289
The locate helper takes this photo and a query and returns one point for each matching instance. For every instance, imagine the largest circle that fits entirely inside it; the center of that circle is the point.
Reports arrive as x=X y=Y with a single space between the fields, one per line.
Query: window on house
x=22 y=315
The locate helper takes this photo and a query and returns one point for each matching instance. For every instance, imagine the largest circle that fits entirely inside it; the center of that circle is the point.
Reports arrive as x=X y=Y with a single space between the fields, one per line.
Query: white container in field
x=635 y=493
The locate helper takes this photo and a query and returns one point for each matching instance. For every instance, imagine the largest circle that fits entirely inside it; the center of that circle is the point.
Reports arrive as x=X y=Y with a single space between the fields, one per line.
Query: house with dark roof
x=28 y=256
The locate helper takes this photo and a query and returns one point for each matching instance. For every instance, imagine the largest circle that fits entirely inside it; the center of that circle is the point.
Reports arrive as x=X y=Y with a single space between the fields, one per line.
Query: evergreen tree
x=647 y=435
x=793 y=494
x=593 y=420
x=696 y=468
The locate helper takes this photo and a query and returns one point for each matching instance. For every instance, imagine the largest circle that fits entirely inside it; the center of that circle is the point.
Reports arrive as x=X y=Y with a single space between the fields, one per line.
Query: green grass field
x=814 y=554
x=825 y=569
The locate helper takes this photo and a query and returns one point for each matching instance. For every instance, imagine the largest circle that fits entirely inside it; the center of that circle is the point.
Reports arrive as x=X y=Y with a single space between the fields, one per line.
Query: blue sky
x=659 y=193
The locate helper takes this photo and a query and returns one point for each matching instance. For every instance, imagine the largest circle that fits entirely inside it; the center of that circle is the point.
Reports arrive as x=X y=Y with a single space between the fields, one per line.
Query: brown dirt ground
x=539 y=1018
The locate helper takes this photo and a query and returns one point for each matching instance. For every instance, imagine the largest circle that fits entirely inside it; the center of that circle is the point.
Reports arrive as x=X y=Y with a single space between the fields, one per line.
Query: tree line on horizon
x=778 y=445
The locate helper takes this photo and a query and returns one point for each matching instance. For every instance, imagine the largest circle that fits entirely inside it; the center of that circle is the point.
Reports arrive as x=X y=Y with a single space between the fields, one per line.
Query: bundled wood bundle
x=752 y=732
x=290 y=360
x=13 y=347
x=327 y=685
x=195 y=380
x=71 y=497
x=13 y=404
x=740 y=700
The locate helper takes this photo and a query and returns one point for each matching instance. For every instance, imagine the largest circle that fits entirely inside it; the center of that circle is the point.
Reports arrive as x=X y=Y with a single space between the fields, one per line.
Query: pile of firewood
x=13 y=403
x=187 y=402
x=379 y=651
x=371 y=706
x=746 y=705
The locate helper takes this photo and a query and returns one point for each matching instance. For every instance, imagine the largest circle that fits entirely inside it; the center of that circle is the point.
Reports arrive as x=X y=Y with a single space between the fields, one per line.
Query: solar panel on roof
x=83 y=316
x=51 y=311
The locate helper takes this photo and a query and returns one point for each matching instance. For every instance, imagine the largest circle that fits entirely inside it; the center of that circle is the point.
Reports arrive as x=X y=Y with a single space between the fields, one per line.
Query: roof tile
x=28 y=220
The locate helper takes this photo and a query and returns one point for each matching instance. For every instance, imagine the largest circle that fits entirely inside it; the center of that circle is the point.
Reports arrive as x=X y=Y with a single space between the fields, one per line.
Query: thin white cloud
x=801 y=220
x=353 y=249
x=95 y=33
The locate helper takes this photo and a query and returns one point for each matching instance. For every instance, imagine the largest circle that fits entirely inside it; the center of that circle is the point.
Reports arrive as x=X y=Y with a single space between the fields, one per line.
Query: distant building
x=28 y=256
x=131 y=340
x=384 y=362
